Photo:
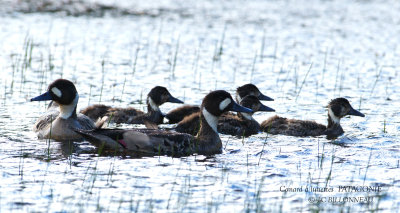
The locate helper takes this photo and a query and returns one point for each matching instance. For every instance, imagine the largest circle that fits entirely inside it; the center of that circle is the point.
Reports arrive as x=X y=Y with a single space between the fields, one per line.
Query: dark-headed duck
x=156 y=97
x=161 y=142
x=240 y=124
x=337 y=109
x=178 y=114
x=60 y=124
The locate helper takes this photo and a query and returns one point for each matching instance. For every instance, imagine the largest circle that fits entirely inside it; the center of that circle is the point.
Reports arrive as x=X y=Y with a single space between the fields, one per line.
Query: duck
x=250 y=89
x=240 y=124
x=178 y=114
x=156 y=97
x=337 y=109
x=61 y=119
x=243 y=124
x=162 y=142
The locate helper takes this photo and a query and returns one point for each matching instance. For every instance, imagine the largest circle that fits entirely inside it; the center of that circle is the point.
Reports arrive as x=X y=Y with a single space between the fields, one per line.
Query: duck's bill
x=265 y=108
x=237 y=108
x=355 y=113
x=43 y=97
x=174 y=100
x=264 y=97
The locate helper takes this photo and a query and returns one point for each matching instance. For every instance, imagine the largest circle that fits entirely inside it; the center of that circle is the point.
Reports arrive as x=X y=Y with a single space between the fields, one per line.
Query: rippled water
x=193 y=47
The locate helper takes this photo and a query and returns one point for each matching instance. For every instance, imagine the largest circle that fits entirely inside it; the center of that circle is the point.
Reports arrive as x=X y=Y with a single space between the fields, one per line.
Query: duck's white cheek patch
x=56 y=92
x=153 y=105
x=224 y=104
x=333 y=116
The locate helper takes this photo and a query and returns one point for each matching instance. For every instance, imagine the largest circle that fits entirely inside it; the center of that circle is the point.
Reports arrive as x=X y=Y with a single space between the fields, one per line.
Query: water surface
x=301 y=53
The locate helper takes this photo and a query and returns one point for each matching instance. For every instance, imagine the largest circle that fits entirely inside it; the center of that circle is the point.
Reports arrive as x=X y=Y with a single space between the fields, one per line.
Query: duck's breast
x=45 y=120
x=60 y=129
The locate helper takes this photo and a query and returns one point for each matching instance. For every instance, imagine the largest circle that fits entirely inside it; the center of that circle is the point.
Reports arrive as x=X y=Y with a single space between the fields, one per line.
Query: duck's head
x=253 y=103
x=64 y=93
x=158 y=96
x=250 y=89
x=218 y=102
x=340 y=107
x=61 y=91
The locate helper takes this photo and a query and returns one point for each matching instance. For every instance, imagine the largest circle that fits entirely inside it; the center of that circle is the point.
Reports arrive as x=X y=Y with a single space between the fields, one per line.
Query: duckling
x=242 y=124
x=337 y=109
x=156 y=142
x=178 y=114
x=250 y=89
x=156 y=97
x=60 y=124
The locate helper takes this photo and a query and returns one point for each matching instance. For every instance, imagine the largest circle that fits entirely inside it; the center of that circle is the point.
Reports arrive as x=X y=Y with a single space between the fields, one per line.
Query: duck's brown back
x=190 y=124
x=95 y=111
x=123 y=115
x=293 y=127
x=232 y=124
x=178 y=114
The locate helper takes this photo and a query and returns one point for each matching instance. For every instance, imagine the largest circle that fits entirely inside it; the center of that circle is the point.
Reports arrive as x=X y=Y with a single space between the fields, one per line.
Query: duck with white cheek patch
x=156 y=97
x=337 y=109
x=177 y=115
x=161 y=142
x=243 y=124
x=60 y=124
x=240 y=124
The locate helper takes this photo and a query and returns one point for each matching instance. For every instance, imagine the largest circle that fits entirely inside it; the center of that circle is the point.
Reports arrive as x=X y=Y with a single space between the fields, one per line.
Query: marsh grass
x=175 y=58
x=336 y=78
x=384 y=126
x=262 y=46
x=265 y=142
x=123 y=89
x=215 y=57
x=324 y=67
x=329 y=177
x=253 y=67
x=292 y=66
x=378 y=75
x=368 y=165
x=49 y=140
x=304 y=80
x=90 y=94
x=21 y=160
x=274 y=57
x=135 y=61
x=221 y=43
x=195 y=64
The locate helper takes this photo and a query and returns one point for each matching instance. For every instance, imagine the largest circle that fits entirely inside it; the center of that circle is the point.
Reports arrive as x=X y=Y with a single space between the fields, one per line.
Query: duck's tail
x=98 y=139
